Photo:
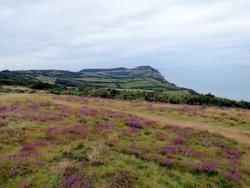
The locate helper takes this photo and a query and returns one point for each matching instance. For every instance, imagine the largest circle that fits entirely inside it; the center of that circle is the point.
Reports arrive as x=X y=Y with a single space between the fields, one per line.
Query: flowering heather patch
x=180 y=150
x=138 y=151
x=88 y=111
x=76 y=180
x=84 y=99
x=179 y=130
x=160 y=136
x=115 y=114
x=130 y=132
x=104 y=128
x=100 y=137
x=13 y=171
x=14 y=107
x=92 y=112
x=28 y=153
x=38 y=118
x=105 y=117
x=177 y=140
x=33 y=105
x=167 y=162
x=149 y=122
x=3 y=109
x=84 y=162
x=37 y=111
x=27 y=147
x=122 y=178
x=63 y=108
x=62 y=133
x=36 y=143
x=54 y=132
x=191 y=110
x=77 y=129
x=207 y=167
x=30 y=150
x=135 y=123
x=231 y=153
x=205 y=142
x=51 y=129
x=40 y=142
x=108 y=126
x=132 y=147
x=234 y=174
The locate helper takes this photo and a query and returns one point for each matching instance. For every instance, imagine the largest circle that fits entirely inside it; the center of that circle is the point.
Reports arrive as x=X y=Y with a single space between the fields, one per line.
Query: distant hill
x=141 y=72
x=142 y=77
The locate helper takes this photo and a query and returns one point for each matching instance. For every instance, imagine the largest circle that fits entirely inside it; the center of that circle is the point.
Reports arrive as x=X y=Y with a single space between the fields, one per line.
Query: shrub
x=135 y=123
x=207 y=167
x=122 y=179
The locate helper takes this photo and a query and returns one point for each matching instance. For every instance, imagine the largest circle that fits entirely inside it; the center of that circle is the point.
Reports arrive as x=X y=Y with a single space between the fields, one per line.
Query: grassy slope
x=93 y=138
x=145 y=78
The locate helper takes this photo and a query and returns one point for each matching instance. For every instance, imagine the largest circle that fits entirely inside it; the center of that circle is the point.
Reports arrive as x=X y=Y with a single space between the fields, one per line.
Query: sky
x=181 y=38
x=76 y=34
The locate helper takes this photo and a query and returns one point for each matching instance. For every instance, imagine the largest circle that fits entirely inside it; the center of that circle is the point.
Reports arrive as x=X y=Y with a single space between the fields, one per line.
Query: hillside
x=144 y=77
x=69 y=141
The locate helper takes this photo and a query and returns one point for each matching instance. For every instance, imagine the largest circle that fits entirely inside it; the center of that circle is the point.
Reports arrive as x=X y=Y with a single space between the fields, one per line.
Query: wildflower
x=134 y=123
x=76 y=180
x=3 y=109
x=51 y=129
x=179 y=149
x=132 y=147
x=234 y=174
x=130 y=131
x=28 y=153
x=232 y=153
x=40 y=142
x=149 y=122
x=27 y=147
x=177 y=140
x=160 y=136
x=207 y=167
x=14 y=107
x=102 y=128
x=122 y=179
x=167 y=162
x=205 y=142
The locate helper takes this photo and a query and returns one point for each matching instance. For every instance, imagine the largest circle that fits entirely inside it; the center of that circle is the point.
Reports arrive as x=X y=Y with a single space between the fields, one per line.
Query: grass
x=46 y=79
x=70 y=141
x=139 y=78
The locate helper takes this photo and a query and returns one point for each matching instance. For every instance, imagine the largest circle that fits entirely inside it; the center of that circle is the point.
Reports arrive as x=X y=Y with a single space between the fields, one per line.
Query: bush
x=194 y=99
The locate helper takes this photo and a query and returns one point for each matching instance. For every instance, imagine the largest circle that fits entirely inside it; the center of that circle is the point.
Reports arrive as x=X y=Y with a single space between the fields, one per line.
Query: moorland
x=57 y=135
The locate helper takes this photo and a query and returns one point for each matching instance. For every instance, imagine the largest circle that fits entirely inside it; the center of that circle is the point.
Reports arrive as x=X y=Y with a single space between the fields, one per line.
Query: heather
x=71 y=141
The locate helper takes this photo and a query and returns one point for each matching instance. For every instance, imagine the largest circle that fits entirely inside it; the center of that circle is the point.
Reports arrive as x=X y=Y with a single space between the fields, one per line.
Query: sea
x=231 y=82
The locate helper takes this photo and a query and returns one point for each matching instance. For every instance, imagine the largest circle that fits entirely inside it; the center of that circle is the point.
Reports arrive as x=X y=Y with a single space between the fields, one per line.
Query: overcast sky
x=76 y=34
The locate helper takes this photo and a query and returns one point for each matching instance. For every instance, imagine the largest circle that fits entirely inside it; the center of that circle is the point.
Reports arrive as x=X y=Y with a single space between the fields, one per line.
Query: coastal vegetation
x=75 y=141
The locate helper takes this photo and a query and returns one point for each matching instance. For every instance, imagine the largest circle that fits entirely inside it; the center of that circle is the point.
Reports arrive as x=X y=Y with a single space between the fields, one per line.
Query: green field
x=144 y=77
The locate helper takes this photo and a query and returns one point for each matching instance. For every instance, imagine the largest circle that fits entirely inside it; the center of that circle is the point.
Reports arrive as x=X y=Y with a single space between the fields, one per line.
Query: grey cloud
x=119 y=33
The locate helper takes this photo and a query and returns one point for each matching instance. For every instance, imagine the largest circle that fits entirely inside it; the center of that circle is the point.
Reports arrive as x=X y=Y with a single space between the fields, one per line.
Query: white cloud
x=6 y=12
x=119 y=33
